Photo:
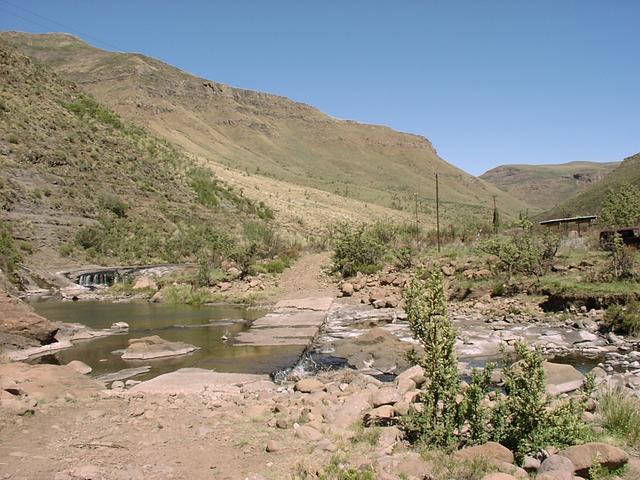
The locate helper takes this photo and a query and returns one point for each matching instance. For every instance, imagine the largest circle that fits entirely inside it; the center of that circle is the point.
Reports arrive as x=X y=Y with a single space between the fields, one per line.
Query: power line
x=67 y=28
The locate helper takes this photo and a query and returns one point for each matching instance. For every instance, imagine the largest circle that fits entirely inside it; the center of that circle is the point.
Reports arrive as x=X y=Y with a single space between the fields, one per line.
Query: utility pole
x=437 y=213
x=496 y=219
x=415 y=195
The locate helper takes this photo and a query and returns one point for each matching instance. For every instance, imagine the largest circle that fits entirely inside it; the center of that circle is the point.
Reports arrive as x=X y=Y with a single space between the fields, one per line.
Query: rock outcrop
x=18 y=318
x=155 y=347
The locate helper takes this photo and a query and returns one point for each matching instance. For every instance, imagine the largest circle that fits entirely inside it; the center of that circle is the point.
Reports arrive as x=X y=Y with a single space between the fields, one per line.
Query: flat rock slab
x=276 y=336
x=123 y=374
x=320 y=304
x=295 y=322
x=306 y=319
x=155 y=347
x=196 y=380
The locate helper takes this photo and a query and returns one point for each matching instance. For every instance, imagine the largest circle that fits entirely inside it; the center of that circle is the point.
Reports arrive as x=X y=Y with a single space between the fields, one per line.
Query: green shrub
x=498 y=290
x=427 y=315
x=185 y=294
x=65 y=249
x=620 y=415
x=621 y=206
x=522 y=419
x=336 y=470
x=205 y=186
x=89 y=237
x=276 y=266
x=114 y=204
x=12 y=138
x=85 y=106
x=356 y=250
x=523 y=251
x=25 y=246
x=623 y=319
x=622 y=259
x=10 y=255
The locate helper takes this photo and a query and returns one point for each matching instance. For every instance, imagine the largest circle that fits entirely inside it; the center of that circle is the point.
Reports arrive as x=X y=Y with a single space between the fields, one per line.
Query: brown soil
x=307 y=278
x=161 y=437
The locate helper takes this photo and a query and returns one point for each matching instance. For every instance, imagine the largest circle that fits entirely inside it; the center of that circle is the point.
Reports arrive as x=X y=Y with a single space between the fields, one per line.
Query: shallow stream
x=202 y=326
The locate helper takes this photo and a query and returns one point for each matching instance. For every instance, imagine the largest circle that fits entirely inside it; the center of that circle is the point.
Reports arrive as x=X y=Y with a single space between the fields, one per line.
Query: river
x=202 y=326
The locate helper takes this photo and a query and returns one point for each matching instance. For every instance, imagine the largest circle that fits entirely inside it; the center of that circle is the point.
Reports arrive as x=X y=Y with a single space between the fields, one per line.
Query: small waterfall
x=98 y=279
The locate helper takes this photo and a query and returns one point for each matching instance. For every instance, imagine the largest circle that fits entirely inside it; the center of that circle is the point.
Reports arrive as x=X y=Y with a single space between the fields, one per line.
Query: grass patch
x=369 y=435
x=85 y=106
x=337 y=470
x=186 y=294
x=623 y=319
x=621 y=415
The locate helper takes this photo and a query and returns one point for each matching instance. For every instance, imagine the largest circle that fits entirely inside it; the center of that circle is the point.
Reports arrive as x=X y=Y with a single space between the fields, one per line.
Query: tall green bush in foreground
x=522 y=419
x=427 y=315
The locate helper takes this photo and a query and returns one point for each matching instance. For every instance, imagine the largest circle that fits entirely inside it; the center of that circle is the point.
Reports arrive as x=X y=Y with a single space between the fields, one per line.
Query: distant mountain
x=267 y=135
x=543 y=187
x=590 y=201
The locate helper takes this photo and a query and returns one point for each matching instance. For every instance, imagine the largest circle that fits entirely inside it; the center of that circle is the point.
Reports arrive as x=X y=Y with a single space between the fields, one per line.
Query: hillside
x=590 y=201
x=78 y=184
x=545 y=186
x=267 y=135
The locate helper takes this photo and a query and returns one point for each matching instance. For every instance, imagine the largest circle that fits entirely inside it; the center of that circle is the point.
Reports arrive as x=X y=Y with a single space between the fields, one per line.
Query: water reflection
x=200 y=326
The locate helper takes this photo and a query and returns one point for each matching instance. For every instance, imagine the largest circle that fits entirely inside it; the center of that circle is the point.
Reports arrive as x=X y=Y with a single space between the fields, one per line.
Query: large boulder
x=584 y=456
x=385 y=396
x=498 y=476
x=155 y=347
x=18 y=318
x=557 y=463
x=490 y=451
x=350 y=411
x=562 y=378
x=309 y=385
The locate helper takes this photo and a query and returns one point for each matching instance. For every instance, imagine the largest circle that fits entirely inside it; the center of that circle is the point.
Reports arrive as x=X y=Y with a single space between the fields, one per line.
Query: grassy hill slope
x=78 y=183
x=546 y=186
x=267 y=135
x=590 y=201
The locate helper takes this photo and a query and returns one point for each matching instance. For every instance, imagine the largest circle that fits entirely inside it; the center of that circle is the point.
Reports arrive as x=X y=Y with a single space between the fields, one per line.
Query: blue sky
x=488 y=82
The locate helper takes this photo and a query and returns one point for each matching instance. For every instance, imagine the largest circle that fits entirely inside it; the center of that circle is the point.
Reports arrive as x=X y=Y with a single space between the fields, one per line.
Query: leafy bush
x=114 y=204
x=621 y=319
x=427 y=315
x=621 y=206
x=622 y=260
x=357 y=249
x=205 y=186
x=523 y=251
x=10 y=255
x=523 y=419
x=89 y=237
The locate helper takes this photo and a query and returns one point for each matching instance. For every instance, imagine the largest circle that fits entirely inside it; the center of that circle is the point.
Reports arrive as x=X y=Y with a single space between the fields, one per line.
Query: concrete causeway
x=293 y=322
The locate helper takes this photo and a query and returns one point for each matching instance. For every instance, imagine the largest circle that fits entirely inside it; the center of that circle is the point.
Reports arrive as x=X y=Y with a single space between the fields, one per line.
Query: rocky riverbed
x=200 y=424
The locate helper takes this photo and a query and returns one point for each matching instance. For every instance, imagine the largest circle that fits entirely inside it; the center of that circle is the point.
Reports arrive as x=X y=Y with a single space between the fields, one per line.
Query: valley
x=200 y=281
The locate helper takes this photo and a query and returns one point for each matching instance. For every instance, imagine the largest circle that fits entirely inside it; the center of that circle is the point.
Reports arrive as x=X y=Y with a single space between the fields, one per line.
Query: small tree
x=621 y=206
x=427 y=315
x=523 y=251
x=622 y=259
x=524 y=420
x=357 y=249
